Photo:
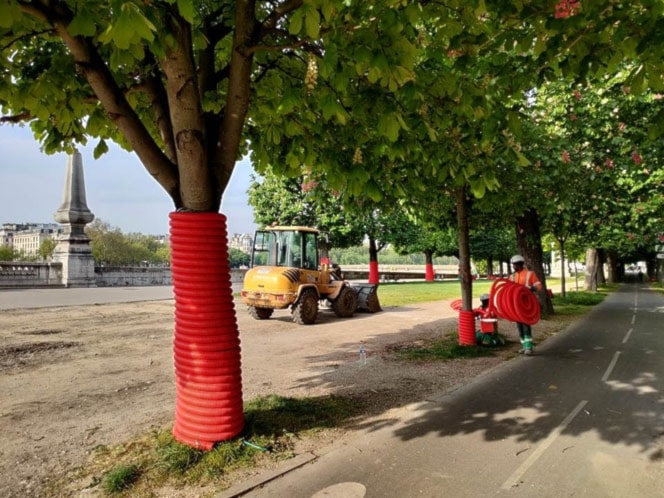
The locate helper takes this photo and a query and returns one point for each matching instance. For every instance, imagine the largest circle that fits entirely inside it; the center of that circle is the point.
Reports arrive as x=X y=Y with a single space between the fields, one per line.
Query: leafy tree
x=8 y=253
x=238 y=258
x=46 y=248
x=113 y=248
x=177 y=81
x=602 y=168
x=301 y=201
x=492 y=245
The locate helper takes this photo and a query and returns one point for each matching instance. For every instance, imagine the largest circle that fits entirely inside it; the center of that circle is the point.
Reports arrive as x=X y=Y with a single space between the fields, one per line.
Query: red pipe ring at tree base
x=374 y=276
x=201 y=437
x=202 y=286
x=217 y=353
x=214 y=344
x=466 y=328
x=429 y=273
x=195 y=401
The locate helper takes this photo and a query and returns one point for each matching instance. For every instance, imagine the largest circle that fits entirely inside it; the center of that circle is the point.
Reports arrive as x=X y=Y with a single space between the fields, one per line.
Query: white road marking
x=629 y=332
x=514 y=479
x=605 y=377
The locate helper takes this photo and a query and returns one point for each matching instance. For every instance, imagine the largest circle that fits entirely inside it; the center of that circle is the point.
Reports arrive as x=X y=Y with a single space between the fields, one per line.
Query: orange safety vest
x=527 y=278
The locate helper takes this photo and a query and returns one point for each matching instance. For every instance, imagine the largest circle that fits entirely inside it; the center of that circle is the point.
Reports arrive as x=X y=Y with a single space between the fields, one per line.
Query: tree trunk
x=590 y=274
x=563 y=282
x=464 y=249
x=489 y=267
x=529 y=245
x=601 y=276
x=613 y=267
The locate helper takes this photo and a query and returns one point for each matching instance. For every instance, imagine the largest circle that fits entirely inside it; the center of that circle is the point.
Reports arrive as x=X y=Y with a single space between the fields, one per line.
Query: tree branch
x=102 y=83
x=237 y=99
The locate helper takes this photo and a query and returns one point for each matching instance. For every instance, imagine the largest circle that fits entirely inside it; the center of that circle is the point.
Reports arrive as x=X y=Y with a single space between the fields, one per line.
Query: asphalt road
x=45 y=298
x=583 y=417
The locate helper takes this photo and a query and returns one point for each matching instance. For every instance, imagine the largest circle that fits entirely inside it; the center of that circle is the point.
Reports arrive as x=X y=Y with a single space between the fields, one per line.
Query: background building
x=27 y=238
x=241 y=241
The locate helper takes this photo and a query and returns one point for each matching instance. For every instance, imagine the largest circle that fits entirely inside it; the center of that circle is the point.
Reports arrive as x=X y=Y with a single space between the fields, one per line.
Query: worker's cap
x=517 y=258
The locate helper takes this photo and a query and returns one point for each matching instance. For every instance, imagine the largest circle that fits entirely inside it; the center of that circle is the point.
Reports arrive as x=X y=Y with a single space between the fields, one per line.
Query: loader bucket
x=367 y=297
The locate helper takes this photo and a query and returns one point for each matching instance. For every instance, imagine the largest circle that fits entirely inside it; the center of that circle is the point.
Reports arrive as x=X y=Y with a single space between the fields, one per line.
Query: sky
x=119 y=190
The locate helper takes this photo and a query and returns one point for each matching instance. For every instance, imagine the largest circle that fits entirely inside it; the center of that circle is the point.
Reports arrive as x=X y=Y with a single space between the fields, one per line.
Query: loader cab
x=291 y=247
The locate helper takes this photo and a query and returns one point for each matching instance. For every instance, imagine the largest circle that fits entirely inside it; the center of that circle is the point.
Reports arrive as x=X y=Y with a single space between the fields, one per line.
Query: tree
x=176 y=82
x=111 y=247
x=302 y=201
x=46 y=249
x=239 y=258
x=8 y=253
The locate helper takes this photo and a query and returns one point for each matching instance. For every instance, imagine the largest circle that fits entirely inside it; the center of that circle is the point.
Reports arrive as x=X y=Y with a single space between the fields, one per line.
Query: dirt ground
x=74 y=378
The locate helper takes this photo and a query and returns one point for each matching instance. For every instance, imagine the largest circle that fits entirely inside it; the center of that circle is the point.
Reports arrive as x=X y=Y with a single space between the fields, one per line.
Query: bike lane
x=583 y=417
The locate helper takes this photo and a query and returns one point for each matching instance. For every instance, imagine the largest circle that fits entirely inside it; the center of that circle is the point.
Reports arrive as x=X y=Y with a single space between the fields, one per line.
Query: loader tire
x=345 y=304
x=260 y=313
x=306 y=308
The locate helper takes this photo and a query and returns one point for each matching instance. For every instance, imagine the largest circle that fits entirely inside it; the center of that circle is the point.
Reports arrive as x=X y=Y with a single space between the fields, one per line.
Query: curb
x=257 y=481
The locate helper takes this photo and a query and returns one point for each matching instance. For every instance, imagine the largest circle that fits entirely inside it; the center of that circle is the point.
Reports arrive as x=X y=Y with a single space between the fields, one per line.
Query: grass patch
x=404 y=293
x=577 y=303
x=273 y=425
x=120 y=478
x=447 y=348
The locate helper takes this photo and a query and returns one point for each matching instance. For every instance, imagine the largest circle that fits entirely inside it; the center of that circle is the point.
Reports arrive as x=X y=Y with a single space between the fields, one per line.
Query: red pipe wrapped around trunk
x=466 y=328
x=206 y=346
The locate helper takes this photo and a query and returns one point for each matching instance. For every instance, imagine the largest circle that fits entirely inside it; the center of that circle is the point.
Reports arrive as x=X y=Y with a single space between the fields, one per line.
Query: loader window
x=310 y=251
x=263 y=251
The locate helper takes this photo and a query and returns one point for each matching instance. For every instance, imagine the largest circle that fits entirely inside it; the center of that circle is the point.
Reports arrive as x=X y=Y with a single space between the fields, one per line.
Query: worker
x=528 y=278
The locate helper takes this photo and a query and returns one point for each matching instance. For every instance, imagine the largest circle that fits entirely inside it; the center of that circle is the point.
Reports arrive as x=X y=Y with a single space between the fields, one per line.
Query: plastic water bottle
x=363 y=354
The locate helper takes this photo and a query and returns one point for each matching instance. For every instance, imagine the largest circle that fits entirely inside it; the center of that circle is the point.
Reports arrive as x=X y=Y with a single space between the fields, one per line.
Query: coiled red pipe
x=206 y=345
x=514 y=302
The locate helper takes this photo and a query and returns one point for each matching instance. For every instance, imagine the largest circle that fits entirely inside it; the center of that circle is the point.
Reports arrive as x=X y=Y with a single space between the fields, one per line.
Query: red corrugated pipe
x=514 y=302
x=206 y=346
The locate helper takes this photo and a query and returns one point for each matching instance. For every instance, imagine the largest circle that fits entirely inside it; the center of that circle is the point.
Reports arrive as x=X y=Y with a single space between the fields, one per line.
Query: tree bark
x=563 y=281
x=464 y=249
x=613 y=265
x=590 y=274
x=529 y=245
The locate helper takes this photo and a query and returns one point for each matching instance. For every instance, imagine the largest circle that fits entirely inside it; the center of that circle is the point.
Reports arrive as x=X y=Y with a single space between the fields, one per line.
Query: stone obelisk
x=73 y=245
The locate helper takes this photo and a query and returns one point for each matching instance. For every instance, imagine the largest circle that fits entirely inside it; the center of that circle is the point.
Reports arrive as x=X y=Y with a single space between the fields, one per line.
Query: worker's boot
x=528 y=346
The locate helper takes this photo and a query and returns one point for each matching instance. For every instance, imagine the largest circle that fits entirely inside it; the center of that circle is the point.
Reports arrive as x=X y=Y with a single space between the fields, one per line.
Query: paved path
x=45 y=298
x=583 y=417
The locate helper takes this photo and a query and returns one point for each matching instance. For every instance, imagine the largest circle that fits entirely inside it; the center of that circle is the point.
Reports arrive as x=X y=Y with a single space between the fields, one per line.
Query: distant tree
x=8 y=253
x=238 y=258
x=46 y=248
x=111 y=247
x=302 y=201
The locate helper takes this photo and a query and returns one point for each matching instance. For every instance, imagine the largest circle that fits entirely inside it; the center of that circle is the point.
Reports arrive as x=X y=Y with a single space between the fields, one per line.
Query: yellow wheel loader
x=288 y=272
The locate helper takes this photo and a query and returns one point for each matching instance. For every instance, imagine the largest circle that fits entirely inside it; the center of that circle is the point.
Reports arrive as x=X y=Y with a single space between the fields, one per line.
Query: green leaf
x=328 y=10
x=295 y=24
x=83 y=24
x=312 y=23
x=100 y=149
x=9 y=13
x=521 y=159
x=187 y=10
